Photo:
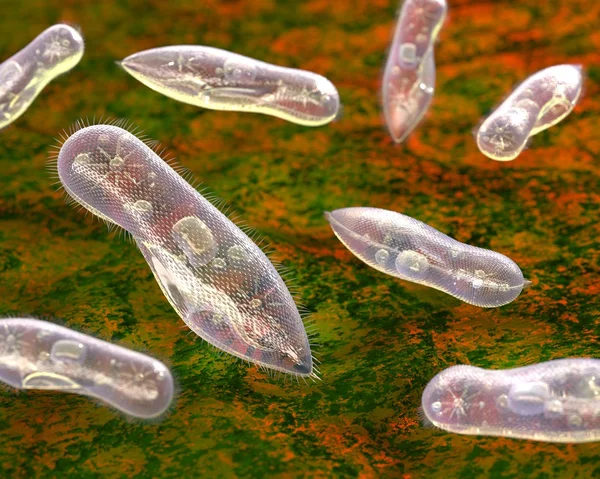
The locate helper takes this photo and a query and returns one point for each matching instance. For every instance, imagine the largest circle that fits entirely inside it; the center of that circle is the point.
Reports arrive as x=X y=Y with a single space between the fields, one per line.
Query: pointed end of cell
x=399 y=138
x=127 y=66
x=327 y=215
x=527 y=283
x=305 y=369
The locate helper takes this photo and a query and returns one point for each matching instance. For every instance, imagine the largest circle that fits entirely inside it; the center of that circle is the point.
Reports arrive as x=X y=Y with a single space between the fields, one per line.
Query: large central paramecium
x=221 y=284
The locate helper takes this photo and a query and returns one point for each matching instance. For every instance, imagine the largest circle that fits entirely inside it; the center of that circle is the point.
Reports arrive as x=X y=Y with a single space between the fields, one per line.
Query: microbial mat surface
x=540 y=102
x=380 y=339
x=409 y=249
x=23 y=76
x=219 y=282
x=409 y=77
x=556 y=401
x=221 y=80
x=36 y=354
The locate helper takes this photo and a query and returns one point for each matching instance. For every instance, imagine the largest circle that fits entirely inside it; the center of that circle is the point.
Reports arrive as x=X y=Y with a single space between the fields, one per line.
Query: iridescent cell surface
x=409 y=77
x=221 y=80
x=219 y=282
x=36 y=354
x=23 y=76
x=409 y=249
x=541 y=101
x=555 y=401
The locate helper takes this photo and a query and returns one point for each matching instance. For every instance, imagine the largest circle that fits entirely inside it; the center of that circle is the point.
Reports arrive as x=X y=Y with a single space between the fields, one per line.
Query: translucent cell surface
x=557 y=401
x=220 y=80
x=409 y=77
x=23 y=76
x=409 y=249
x=221 y=283
x=541 y=101
x=36 y=354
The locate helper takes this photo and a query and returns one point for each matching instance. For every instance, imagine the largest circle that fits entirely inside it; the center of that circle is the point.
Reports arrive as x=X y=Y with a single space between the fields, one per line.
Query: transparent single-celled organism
x=555 y=401
x=541 y=101
x=219 y=282
x=409 y=249
x=220 y=80
x=23 y=76
x=36 y=354
x=409 y=77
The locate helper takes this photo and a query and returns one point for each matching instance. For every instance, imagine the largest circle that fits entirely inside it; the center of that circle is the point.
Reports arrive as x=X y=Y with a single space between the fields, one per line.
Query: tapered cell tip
x=526 y=283
x=304 y=368
x=398 y=133
x=128 y=64
x=327 y=215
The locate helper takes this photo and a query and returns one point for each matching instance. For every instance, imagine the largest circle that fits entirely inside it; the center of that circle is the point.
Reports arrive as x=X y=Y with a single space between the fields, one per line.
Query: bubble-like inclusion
x=409 y=77
x=195 y=239
x=548 y=401
x=541 y=101
x=412 y=265
x=381 y=256
x=220 y=80
x=24 y=75
x=219 y=282
x=36 y=354
x=417 y=252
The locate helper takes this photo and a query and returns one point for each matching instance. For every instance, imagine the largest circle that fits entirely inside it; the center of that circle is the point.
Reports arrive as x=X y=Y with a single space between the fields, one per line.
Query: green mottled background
x=382 y=339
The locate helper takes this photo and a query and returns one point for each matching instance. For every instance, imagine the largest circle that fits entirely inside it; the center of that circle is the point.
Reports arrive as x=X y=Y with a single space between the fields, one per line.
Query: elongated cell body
x=221 y=283
x=36 y=354
x=409 y=77
x=556 y=401
x=409 y=249
x=541 y=101
x=23 y=76
x=220 y=80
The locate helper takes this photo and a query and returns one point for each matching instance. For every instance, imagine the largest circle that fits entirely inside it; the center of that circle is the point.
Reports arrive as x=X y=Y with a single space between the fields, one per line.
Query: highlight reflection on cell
x=36 y=354
x=554 y=401
x=538 y=103
x=24 y=75
x=409 y=76
x=220 y=80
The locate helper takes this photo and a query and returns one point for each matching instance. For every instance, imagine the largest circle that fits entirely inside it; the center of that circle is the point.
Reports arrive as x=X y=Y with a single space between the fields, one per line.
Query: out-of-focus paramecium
x=23 y=76
x=409 y=76
x=36 y=354
x=221 y=284
x=555 y=401
x=220 y=80
x=541 y=101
